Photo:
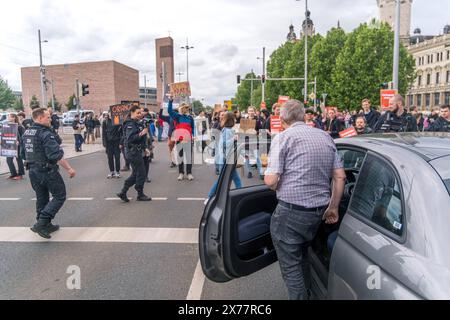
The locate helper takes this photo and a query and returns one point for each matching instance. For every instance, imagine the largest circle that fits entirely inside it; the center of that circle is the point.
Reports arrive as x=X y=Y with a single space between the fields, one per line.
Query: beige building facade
x=432 y=85
x=387 y=14
x=109 y=83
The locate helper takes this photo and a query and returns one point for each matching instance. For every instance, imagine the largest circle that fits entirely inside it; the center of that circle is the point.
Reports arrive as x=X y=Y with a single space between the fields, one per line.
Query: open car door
x=234 y=234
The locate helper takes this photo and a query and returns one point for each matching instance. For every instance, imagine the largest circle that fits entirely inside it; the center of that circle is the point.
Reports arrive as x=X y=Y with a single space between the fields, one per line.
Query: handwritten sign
x=119 y=113
x=9 y=144
x=275 y=125
x=180 y=89
x=350 y=132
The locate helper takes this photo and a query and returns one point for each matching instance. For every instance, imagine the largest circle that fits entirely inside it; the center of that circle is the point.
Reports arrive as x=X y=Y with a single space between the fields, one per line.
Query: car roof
x=427 y=145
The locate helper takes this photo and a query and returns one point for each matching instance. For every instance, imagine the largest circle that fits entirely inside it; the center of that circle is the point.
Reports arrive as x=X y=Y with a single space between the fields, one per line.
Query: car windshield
x=442 y=166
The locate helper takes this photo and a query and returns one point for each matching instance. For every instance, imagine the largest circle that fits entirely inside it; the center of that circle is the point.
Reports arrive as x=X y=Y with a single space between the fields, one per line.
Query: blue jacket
x=183 y=123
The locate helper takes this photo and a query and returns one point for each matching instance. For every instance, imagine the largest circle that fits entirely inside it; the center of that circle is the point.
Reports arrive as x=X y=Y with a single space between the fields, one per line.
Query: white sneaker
x=190 y=177
x=117 y=175
x=110 y=176
x=181 y=177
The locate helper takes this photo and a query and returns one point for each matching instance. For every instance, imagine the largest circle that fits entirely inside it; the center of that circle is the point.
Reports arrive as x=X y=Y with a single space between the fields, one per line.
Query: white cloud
x=227 y=35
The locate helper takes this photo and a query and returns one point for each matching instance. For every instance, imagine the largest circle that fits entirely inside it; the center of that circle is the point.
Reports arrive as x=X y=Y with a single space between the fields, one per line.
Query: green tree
x=58 y=106
x=323 y=60
x=197 y=106
x=34 y=103
x=18 y=105
x=7 y=97
x=243 y=95
x=70 y=104
x=365 y=62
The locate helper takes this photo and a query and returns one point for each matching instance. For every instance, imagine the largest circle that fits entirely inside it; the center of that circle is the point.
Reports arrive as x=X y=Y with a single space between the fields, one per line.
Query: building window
x=437 y=97
x=428 y=79
x=437 y=78
x=411 y=99
x=419 y=81
x=431 y=58
x=419 y=100
x=448 y=76
x=427 y=100
x=447 y=98
x=448 y=55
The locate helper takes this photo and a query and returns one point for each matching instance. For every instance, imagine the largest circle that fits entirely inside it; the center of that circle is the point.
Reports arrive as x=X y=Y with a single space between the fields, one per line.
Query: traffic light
x=263 y=79
x=239 y=79
x=85 y=89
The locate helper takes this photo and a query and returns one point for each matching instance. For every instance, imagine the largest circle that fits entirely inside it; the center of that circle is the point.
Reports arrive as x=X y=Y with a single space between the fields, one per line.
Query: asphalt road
x=123 y=251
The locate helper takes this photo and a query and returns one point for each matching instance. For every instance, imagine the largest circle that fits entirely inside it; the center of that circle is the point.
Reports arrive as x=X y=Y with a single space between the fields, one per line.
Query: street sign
x=386 y=95
x=228 y=104
x=312 y=96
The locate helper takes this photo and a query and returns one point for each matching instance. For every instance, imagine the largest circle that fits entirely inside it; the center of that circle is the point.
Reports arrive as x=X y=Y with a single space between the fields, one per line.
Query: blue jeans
x=78 y=141
x=234 y=176
x=160 y=132
x=292 y=231
x=247 y=166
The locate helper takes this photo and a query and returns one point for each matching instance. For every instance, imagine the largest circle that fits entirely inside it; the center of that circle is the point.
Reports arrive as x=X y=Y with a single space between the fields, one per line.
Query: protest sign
x=386 y=95
x=247 y=124
x=228 y=104
x=350 y=132
x=275 y=125
x=283 y=99
x=202 y=129
x=9 y=144
x=180 y=89
x=119 y=113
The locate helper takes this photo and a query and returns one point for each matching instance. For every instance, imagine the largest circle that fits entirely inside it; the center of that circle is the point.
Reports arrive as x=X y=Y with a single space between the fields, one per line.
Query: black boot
x=143 y=197
x=52 y=227
x=123 y=196
x=42 y=228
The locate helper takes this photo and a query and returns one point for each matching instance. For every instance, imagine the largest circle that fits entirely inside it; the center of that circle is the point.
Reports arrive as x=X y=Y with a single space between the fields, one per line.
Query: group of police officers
x=44 y=155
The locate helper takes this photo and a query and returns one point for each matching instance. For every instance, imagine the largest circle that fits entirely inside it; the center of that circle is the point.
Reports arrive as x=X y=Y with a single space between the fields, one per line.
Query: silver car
x=393 y=237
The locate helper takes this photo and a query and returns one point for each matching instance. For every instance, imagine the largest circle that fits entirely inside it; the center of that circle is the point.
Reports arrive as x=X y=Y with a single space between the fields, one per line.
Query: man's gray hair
x=292 y=111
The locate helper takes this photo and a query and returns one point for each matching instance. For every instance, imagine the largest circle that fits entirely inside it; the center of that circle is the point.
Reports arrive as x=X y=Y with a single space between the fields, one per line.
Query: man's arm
x=65 y=164
x=275 y=165
x=172 y=113
x=272 y=180
x=331 y=215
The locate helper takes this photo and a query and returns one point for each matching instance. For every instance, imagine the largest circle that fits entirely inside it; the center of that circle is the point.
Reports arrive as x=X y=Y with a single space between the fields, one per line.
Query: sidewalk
x=68 y=146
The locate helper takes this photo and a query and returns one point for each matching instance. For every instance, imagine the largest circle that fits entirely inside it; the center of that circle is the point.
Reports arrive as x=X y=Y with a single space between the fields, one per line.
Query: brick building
x=109 y=83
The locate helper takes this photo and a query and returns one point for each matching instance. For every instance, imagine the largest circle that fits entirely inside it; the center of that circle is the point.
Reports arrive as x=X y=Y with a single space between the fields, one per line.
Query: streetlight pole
x=396 y=45
x=42 y=71
x=145 y=91
x=306 y=52
x=53 y=96
x=187 y=48
x=263 y=76
x=251 y=90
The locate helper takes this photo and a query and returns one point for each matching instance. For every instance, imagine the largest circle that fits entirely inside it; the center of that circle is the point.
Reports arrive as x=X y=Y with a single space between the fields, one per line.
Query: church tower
x=291 y=37
x=308 y=26
x=387 y=14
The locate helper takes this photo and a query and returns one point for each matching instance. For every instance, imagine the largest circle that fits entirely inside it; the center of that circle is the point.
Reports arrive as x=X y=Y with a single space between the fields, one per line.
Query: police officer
x=442 y=124
x=135 y=145
x=43 y=156
x=396 y=119
x=146 y=119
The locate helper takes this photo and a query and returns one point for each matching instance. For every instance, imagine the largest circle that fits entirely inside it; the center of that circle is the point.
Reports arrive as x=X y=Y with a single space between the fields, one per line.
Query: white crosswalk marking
x=195 y=291
x=105 y=235
x=9 y=199
x=191 y=199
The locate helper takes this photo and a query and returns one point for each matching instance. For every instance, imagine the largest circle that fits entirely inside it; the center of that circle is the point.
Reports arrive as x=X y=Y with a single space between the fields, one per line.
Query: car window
x=442 y=166
x=352 y=159
x=377 y=196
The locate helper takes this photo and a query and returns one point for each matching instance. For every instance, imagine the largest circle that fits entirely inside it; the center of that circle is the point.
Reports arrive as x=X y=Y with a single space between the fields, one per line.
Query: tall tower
x=308 y=26
x=387 y=14
x=291 y=37
x=165 y=71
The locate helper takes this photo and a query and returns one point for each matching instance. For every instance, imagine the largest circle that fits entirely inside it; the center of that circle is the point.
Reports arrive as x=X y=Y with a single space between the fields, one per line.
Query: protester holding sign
x=333 y=125
x=251 y=150
x=14 y=138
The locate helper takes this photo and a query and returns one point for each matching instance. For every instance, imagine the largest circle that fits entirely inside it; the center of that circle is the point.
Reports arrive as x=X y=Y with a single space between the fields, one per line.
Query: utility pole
x=396 y=45
x=42 y=70
x=315 y=94
x=53 y=96
x=306 y=52
x=77 y=86
x=264 y=76
x=187 y=48
x=251 y=90
x=179 y=74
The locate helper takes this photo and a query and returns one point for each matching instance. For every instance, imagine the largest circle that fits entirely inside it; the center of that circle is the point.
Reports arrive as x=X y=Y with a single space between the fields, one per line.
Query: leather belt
x=299 y=208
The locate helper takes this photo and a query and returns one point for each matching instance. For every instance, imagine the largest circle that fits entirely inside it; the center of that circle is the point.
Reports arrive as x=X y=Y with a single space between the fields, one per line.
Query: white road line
x=160 y=199
x=80 y=199
x=9 y=199
x=196 y=289
x=105 y=235
x=153 y=199
x=191 y=199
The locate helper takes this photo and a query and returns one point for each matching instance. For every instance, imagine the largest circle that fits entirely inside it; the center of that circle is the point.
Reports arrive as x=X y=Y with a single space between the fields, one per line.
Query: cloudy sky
x=228 y=35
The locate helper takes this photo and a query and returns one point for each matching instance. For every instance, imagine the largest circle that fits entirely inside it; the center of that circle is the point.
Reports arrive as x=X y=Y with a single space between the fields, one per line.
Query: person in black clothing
x=396 y=119
x=90 y=129
x=77 y=129
x=16 y=174
x=26 y=123
x=237 y=115
x=55 y=119
x=170 y=141
x=112 y=136
x=333 y=125
x=361 y=126
x=442 y=124
x=135 y=144
x=370 y=114
x=146 y=119
x=419 y=118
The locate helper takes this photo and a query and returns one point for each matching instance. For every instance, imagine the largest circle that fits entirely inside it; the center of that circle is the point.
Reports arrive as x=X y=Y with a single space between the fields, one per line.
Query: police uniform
x=390 y=122
x=42 y=153
x=440 y=125
x=134 y=146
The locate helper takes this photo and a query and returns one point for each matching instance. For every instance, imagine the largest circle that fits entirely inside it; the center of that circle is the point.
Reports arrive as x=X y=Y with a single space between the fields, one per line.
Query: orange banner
x=283 y=99
x=350 y=132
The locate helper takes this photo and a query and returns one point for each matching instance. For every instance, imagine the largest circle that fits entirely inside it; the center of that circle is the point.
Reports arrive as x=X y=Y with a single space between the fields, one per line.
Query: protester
x=396 y=119
x=98 y=126
x=302 y=163
x=276 y=109
x=90 y=129
x=420 y=120
x=252 y=115
x=170 y=141
x=77 y=129
x=226 y=145
x=237 y=115
x=147 y=157
x=333 y=125
x=26 y=122
x=370 y=114
x=55 y=119
x=16 y=174
x=442 y=124
x=111 y=137
x=361 y=126
x=184 y=134
x=310 y=119
x=202 y=134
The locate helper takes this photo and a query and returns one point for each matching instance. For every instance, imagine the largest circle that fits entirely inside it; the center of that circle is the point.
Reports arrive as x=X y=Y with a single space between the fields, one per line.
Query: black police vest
x=444 y=125
x=394 y=123
x=34 y=148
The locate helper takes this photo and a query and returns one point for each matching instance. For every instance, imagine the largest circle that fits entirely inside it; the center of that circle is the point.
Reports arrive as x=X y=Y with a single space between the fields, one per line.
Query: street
x=124 y=251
